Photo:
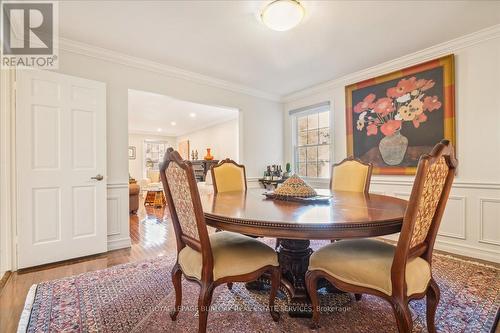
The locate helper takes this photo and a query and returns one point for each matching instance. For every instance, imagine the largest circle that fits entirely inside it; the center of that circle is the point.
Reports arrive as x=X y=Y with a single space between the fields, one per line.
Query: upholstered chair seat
x=367 y=263
x=234 y=254
x=397 y=273
x=210 y=259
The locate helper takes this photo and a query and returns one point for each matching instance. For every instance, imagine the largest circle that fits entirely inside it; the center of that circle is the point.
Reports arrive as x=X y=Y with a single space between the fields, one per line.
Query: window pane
x=301 y=169
x=302 y=123
x=324 y=119
x=301 y=154
x=324 y=169
x=312 y=137
x=324 y=153
x=312 y=154
x=312 y=121
x=324 y=135
x=312 y=170
x=302 y=140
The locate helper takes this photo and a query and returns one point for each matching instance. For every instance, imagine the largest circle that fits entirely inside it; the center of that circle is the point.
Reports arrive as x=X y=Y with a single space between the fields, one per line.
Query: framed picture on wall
x=131 y=153
x=395 y=118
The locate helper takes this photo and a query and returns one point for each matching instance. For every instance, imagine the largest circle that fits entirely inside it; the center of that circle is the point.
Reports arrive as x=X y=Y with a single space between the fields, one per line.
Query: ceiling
x=150 y=113
x=225 y=40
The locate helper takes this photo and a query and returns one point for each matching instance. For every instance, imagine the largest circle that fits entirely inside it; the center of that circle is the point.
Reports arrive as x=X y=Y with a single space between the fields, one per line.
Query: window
x=153 y=156
x=311 y=144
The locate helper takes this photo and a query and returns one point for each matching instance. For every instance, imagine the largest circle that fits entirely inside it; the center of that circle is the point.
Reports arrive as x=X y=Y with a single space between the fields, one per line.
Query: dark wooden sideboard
x=201 y=168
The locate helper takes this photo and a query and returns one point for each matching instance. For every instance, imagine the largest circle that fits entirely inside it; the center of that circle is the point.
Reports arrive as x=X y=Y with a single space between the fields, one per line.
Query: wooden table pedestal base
x=293 y=256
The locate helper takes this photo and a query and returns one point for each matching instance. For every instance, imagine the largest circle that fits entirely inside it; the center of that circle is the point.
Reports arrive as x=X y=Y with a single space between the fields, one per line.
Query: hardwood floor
x=151 y=236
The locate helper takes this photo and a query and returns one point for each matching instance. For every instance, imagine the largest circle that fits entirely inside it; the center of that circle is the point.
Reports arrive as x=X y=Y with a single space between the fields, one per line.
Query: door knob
x=98 y=177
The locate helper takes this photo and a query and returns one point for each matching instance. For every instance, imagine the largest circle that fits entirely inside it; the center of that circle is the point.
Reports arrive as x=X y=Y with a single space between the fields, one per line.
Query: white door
x=60 y=167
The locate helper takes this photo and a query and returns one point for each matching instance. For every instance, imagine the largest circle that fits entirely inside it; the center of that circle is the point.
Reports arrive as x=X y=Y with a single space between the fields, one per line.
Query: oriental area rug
x=137 y=297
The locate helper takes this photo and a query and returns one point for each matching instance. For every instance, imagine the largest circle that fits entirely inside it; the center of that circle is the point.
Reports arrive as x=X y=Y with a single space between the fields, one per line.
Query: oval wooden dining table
x=345 y=215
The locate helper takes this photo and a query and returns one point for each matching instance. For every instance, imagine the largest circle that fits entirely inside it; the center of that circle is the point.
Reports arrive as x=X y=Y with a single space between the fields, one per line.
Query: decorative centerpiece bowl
x=296 y=189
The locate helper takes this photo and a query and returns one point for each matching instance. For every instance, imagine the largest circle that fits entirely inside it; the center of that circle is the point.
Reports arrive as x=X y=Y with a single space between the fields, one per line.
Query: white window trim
x=293 y=114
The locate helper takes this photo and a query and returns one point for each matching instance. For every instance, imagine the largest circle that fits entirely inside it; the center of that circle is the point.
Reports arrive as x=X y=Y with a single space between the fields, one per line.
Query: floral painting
x=395 y=118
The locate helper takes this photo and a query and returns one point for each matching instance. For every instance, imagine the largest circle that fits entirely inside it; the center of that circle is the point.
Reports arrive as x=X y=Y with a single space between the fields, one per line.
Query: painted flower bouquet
x=407 y=101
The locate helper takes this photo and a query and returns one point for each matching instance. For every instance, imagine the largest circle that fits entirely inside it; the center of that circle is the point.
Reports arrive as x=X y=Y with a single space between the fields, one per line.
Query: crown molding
x=391 y=65
x=402 y=62
x=84 y=49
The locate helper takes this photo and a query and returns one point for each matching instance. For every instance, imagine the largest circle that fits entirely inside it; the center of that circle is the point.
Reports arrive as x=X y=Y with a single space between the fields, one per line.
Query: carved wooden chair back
x=351 y=174
x=184 y=204
x=229 y=176
x=431 y=189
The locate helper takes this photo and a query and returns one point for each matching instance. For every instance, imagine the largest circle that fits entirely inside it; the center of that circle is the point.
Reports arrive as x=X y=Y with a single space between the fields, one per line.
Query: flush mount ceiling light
x=173 y=123
x=282 y=15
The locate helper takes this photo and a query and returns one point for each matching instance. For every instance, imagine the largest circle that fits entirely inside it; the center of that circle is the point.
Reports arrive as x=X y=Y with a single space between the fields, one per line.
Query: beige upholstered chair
x=229 y=176
x=209 y=260
x=351 y=175
x=396 y=273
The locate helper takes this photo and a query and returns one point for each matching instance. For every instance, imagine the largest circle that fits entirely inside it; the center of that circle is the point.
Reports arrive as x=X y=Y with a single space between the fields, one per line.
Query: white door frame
x=8 y=248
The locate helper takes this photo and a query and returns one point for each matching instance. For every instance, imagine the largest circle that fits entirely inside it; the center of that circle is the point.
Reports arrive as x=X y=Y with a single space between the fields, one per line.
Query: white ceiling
x=150 y=113
x=225 y=40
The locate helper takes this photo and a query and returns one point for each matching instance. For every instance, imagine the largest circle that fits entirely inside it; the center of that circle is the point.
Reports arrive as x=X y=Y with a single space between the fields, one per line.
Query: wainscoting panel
x=471 y=222
x=118 y=220
x=113 y=215
x=454 y=218
x=489 y=221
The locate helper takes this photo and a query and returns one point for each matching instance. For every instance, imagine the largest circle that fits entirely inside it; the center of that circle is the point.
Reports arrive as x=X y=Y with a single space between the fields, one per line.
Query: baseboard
x=4 y=279
x=115 y=244
x=468 y=251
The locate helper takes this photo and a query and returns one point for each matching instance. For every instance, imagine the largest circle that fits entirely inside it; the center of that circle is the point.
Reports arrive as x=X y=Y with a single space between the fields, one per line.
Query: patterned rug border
x=24 y=320
x=32 y=293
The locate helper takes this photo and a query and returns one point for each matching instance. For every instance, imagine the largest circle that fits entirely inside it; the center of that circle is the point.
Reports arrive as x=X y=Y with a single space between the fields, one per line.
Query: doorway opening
x=155 y=123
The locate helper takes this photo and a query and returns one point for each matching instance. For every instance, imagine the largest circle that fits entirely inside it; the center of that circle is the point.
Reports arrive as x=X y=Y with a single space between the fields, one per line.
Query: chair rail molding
x=471 y=184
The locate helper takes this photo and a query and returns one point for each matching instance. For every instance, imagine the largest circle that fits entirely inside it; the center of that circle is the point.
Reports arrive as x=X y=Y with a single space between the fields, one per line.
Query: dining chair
x=352 y=175
x=229 y=176
x=209 y=260
x=397 y=273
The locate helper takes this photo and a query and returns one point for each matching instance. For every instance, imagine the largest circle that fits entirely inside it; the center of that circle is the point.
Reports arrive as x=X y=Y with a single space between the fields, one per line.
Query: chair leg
x=230 y=285
x=433 y=295
x=403 y=316
x=177 y=282
x=277 y=244
x=312 y=286
x=275 y=284
x=204 y=301
x=358 y=297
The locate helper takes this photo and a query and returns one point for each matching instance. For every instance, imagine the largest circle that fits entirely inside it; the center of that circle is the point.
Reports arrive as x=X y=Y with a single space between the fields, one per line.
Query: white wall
x=221 y=138
x=136 y=167
x=471 y=225
x=262 y=145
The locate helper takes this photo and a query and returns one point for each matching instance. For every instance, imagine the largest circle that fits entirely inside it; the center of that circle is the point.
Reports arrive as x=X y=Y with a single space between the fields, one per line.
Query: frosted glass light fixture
x=282 y=15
